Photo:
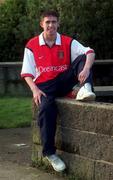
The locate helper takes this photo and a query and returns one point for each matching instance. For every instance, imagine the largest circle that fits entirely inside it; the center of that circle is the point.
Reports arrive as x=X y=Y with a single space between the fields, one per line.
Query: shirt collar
x=42 y=42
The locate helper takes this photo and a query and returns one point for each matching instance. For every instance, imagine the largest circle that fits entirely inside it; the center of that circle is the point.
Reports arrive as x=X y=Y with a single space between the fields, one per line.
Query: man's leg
x=68 y=79
x=47 y=123
x=85 y=92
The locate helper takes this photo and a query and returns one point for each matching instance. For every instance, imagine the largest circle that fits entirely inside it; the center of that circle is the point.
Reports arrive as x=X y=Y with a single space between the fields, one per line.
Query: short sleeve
x=78 y=49
x=29 y=66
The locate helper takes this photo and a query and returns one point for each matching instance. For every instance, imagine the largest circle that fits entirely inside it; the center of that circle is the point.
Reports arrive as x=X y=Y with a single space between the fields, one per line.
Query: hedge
x=90 y=22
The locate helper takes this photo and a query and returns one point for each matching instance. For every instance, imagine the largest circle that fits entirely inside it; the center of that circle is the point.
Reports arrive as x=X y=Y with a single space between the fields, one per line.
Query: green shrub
x=90 y=22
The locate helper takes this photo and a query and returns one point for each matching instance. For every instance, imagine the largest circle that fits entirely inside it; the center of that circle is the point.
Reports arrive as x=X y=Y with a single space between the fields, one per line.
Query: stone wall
x=10 y=80
x=103 y=72
x=84 y=139
x=12 y=84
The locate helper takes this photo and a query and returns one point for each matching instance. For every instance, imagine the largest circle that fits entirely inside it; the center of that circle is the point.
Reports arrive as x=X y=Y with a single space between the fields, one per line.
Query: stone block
x=10 y=80
x=92 y=117
x=13 y=73
x=1 y=74
x=103 y=170
x=2 y=88
x=88 y=169
x=84 y=143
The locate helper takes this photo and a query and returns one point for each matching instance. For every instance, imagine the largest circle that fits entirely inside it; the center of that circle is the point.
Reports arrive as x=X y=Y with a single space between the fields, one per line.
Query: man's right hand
x=37 y=93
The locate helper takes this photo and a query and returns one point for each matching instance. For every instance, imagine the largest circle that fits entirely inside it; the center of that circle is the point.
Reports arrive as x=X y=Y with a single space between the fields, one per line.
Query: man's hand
x=83 y=75
x=37 y=93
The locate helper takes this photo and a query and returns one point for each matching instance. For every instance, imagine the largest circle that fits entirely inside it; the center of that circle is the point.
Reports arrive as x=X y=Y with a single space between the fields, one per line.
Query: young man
x=53 y=64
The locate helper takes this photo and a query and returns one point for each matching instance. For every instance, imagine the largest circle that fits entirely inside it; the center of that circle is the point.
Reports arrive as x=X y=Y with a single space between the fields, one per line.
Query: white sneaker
x=85 y=93
x=57 y=164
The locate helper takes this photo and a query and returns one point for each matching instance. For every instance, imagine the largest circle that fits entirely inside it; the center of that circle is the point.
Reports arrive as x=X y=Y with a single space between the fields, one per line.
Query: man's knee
x=79 y=59
x=78 y=64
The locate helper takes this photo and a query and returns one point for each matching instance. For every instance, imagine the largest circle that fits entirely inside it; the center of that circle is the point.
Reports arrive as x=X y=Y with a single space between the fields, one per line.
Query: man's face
x=50 y=25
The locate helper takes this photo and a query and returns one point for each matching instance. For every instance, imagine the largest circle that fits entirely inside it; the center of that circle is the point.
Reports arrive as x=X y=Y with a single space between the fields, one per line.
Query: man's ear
x=41 y=24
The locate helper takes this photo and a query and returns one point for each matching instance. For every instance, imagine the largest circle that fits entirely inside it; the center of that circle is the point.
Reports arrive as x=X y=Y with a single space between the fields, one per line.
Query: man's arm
x=28 y=73
x=90 y=57
x=89 y=60
x=37 y=93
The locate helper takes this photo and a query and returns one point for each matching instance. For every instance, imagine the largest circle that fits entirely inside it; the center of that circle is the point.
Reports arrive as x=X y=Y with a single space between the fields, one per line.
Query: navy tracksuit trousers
x=57 y=87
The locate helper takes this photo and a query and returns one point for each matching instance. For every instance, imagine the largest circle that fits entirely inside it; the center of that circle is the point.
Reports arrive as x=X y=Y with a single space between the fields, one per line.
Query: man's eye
x=52 y=22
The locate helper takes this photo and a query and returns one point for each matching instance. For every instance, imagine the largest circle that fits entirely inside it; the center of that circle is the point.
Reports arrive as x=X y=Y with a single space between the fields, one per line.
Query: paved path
x=15 y=157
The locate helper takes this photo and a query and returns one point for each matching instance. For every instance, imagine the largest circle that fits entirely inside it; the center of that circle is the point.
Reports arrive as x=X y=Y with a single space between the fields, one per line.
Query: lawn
x=15 y=112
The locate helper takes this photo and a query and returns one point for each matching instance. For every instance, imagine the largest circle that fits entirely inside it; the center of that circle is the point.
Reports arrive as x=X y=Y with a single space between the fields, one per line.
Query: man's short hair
x=50 y=13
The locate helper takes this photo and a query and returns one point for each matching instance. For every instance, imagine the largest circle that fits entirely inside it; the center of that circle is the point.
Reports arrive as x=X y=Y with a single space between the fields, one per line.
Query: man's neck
x=49 y=40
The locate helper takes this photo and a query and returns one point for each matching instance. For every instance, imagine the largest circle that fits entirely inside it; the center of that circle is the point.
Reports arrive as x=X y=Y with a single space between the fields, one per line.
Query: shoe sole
x=59 y=170
x=88 y=98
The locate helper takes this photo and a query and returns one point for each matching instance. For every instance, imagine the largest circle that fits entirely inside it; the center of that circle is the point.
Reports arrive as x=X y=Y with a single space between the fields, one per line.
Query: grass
x=15 y=112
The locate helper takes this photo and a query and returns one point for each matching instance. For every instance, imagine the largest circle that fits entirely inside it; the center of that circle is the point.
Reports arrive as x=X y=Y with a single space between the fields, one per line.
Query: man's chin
x=52 y=33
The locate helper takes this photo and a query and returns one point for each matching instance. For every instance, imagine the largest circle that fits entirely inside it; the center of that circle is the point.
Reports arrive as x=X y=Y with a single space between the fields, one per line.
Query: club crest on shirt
x=61 y=54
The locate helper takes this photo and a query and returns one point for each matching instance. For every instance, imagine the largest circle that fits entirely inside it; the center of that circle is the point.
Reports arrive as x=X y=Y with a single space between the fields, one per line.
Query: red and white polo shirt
x=43 y=63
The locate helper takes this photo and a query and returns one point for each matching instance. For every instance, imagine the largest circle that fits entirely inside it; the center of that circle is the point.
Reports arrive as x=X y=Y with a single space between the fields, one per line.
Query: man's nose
x=51 y=24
